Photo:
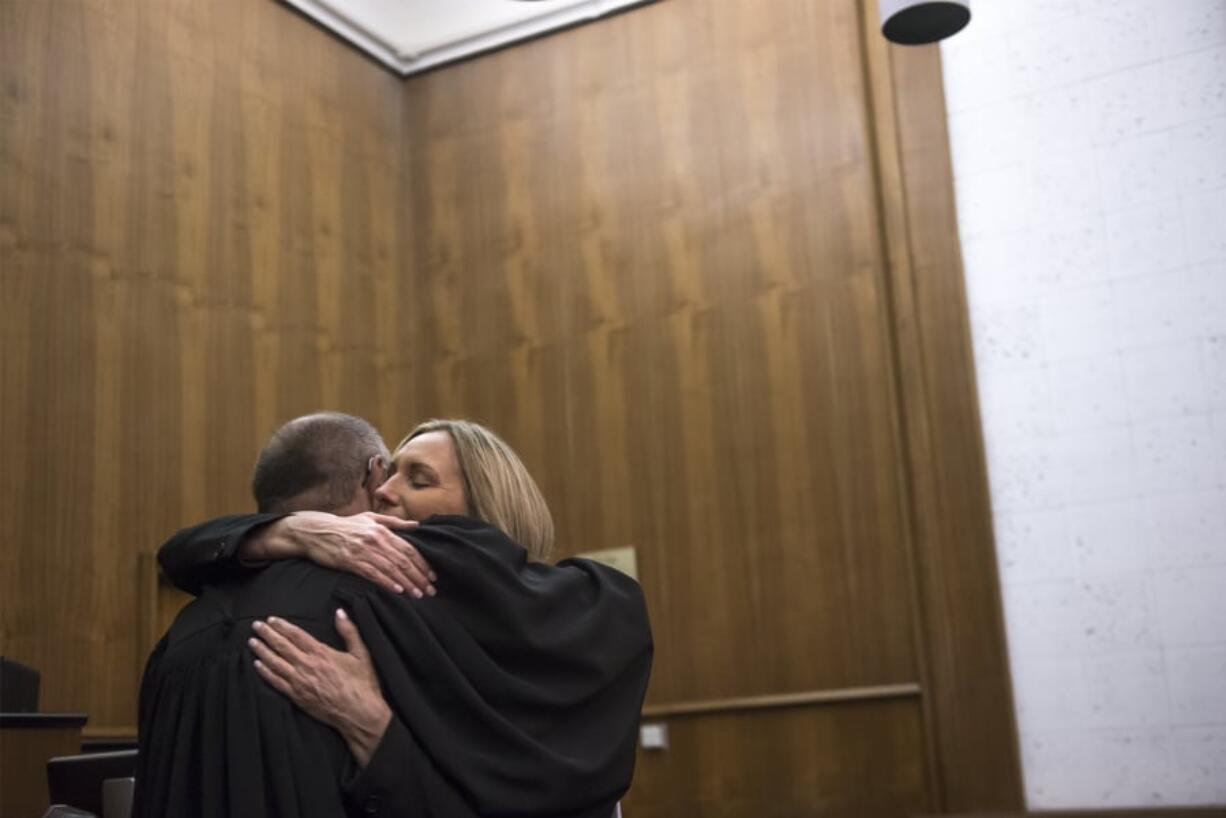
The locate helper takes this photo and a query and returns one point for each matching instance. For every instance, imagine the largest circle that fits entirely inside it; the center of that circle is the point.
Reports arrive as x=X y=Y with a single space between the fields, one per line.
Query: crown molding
x=407 y=60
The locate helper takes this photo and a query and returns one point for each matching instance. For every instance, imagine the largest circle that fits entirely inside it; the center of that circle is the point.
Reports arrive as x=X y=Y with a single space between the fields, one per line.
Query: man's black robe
x=515 y=692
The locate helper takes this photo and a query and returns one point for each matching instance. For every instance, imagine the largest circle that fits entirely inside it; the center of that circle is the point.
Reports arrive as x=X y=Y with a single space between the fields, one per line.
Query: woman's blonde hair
x=497 y=485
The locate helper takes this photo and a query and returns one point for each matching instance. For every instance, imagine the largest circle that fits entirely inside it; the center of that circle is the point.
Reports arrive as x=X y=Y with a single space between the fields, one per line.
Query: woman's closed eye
x=421 y=478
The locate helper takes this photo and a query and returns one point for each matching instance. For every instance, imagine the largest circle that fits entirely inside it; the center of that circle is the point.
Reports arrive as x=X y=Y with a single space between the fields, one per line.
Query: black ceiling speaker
x=918 y=22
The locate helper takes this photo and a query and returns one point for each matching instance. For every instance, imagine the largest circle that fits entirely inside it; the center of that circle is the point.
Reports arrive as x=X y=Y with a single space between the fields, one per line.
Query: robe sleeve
x=145 y=783
x=400 y=781
x=518 y=687
x=387 y=785
x=208 y=552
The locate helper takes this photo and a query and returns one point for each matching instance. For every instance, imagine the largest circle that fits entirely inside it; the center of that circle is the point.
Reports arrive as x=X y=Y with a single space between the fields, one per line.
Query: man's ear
x=376 y=474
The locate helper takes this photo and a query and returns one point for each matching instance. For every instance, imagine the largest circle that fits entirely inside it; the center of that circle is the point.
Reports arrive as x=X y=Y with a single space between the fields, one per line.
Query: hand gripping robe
x=515 y=692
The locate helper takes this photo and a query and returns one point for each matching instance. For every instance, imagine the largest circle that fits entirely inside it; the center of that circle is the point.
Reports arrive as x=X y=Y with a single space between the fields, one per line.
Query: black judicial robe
x=515 y=692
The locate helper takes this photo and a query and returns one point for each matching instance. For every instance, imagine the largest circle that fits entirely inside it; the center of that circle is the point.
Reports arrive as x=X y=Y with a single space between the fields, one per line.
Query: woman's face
x=425 y=480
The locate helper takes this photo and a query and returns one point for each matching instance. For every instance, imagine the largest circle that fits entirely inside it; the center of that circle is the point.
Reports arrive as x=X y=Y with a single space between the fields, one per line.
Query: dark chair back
x=77 y=780
x=18 y=687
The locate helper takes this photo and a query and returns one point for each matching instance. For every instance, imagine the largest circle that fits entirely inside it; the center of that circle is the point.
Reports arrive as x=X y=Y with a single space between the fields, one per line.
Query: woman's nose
x=382 y=494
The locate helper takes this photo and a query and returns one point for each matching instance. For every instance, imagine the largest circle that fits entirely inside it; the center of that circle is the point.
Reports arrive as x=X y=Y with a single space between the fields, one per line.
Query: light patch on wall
x=1089 y=152
x=623 y=559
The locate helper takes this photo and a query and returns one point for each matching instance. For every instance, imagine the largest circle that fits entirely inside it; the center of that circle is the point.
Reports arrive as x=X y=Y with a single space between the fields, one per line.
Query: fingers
x=379 y=576
x=286 y=682
x=377 y=565
x=270 y=659
x=389 y=560
x=296 y=635
x=364 y=545
x=272 y=677
x=401 y=561
x=417 y=559
x=394 y=523
x=349 y=632
x=278 y=643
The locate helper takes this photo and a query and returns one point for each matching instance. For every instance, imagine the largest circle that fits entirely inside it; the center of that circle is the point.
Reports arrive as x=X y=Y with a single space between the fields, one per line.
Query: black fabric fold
x=516 y=691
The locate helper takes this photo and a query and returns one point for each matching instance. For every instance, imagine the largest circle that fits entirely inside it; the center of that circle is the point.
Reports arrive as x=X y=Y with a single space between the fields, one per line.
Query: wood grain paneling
x=24 y=753
x=697 y=263
x=673 y=256
x=197 y=219
x=863 y=759
x=682 y=258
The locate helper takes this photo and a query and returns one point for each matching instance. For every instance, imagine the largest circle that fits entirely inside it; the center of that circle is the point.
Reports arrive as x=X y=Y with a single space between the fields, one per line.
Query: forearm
x=278 y=540
x=204 y=552
x=362 y=544
x=315 y=535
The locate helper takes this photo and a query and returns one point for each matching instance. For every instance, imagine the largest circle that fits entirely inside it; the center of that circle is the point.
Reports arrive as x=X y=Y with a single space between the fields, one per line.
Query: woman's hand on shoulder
x=363 y=544
x=340 y=688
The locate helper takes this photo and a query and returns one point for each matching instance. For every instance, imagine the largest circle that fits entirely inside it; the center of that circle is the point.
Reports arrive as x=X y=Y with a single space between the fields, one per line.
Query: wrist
x=255 y=545
x=278 y=540
x=364 y=732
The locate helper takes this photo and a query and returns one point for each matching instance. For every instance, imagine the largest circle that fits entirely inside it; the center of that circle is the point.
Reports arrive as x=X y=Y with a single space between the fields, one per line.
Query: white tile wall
x=1089 y=147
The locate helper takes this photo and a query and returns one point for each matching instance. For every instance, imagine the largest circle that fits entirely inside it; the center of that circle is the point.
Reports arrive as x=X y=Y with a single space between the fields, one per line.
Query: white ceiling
x=413 y=35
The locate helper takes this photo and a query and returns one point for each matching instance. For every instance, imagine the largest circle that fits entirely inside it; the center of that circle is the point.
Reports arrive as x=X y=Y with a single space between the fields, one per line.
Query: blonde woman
x=491 y=683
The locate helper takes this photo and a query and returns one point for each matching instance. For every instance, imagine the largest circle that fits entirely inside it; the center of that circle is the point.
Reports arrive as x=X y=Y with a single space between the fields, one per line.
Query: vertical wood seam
x=886 y=146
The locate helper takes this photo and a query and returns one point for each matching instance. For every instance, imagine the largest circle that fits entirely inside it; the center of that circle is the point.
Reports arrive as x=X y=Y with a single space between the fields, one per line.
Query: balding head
x=319 y=462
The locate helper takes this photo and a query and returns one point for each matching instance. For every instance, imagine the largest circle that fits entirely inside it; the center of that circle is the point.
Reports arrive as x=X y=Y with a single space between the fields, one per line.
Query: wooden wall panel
x=662 y=255
x=683 y=235
x=672 y=257
x=862 y=759
x=197 y=217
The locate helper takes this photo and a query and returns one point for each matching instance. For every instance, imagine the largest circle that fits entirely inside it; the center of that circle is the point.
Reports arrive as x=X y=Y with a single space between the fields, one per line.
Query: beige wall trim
x=809 y=697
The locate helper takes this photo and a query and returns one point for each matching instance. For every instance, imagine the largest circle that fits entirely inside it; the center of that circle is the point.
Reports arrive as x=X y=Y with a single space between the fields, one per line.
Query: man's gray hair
x=315 y=462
